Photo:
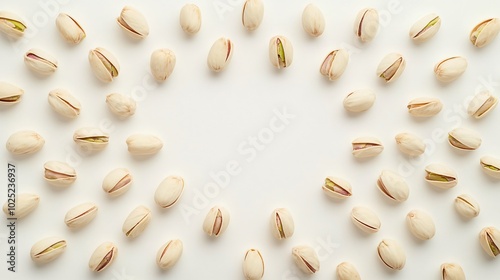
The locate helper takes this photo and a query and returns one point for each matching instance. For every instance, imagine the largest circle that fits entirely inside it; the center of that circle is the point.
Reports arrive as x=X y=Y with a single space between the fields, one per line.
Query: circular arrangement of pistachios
x=392 y=186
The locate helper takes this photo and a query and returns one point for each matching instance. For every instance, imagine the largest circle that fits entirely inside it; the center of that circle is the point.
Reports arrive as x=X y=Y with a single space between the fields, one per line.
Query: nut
x=40 y=62
x=80 y=215
x=63 y=103
x=334 y=64
x=117 y=182
x=347 y=271
x=483 y=33
x=425 y=28
x=104 y=64
x=467 y=206
x=313 y=20
x=47 y=249
x=391 y=254
x=10 y=94
x=365 y=219
x=121 y=105
x=103 y=256
x=91 y=138
x=220 y=54
x=252 y=15
x=133 y=22
x=12 y=25
x=280 y=52
x=489 y=237
x=441 y=176
x=136 y=222
x=420 y=224
x=391 y=67
x=169 y=254
x=253 y=265
x=450 y=68
x=410 y=144
x=143 y=144
x=282 y=225
x=25 y=204
x=482 y=103
x=190 y=19
x=306 y=259
x=366 y=24
x=162 y=64
x=359 y=100
x=216 y=221
x=59 y=174
x=169 y=191
x=491 y=166
x=24 y=142
x=424 y=107
x=393 y=186
x=70 y=29
x=464 y=139
x=452 y=271
x=364 y=147
x=337 y=188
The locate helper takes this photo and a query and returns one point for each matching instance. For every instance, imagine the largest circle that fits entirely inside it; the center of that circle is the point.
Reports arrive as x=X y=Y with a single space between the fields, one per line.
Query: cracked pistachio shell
x=391 y=67
x=25 y=204
x=220 y=54
x=190 y=19
x=216 y=221
x=280 y=52
x=334 y=64
x=440 y=175
x=491 y=166
x=169 y=254
x=282 y=225
x=10 y=94
x=337 y=188
x=425 y=28
x=80 y=215
x=313 y=20
x=365 y=219
x=366 y=24
x=489 y=238
x=484 y=32
x=482 y=103
x=91 y=138
x=420 y=224
x=364 y=147
x=162 y=64
x=306 y=259
x=391 y=254
x=410 y=144
x=63 y=103
x=40 y=62
x=59 y=174
x=104 y=64
x=424 y=107
x=347 y=271
x=70 y=29
x=133 y=22
x=359 y=100
x=253 y=265
x=12 y=25
x=143 y=144
x=393 y=186
x=24 y=142
x=252 y=15
x=121 y=105
x=467 y=206
x=137 y=221
x=169 y=191
x=452 y=271
x=450 y=69
x=117 y=182
x=103 y=256
x=47 y=249
x=464 y=139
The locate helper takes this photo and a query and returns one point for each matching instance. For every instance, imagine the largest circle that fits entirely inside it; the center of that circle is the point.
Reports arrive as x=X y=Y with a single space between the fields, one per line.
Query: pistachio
x=253 y=265
x=359 y=100
x=464 y=139
x=136 y=222
x=190 y=19
x=364 y=147
x=282 y=225
x=440 y=176
x=59 y=174
x=420 y=224
x=25 y=204
x=24 y=142
x=366 y=24
x=365 y=219
x=467 y=206
x=337 y=188
x=117 y=182
x=63 y=103
x=452 y=271
x=143 y=144
x=12 y=25
x=169 y=254
x=104 y=64
x=80 y=215
x=91 y=138
x=391 y=254
x=410 y=144
x=216 y=221
x=252 y=15
x=491 y=166
x=334 y=64
x=424 y=107
x=489 y=238
x=450 y=69
x=280 y=52
x=220 y=54
x=47 y=249
x=425 y=28
x=40 y=62
x=313 y=20
x=484 y=32
x=133 y=22
x=70 y=29
x=121 y=105
x=306 y=259
x=482 y=103
x=169 y=191
x=162 y=64
x=393 y=186
x=10 y=94
x=391 y=67
x=103 y=256
x=347 y=271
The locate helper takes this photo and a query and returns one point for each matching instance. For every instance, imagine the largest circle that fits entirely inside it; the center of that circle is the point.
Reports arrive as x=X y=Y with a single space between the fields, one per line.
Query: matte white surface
x=208 y=121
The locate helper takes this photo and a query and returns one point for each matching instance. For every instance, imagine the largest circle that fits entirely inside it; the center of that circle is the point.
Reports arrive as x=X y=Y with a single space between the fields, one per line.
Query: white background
x=205 y=119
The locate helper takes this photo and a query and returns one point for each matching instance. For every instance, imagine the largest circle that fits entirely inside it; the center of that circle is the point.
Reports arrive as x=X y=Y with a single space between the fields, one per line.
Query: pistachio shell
x=424 y=107
x=162 y=64
x=410 y=144
x=452 y=271
x=366 y=24
x=59 y=174
x=190 y=19
x=425 y=28
x=393 y=186
x=337 y=188
x=280 y=52
x=220 y=54
x=306 y=259
x=359 y=100
x=450 y=68
x=216 y=221
x=24 y=142
x=104 y=64
x=253 y=265
x=169 y=191
x=70 y=29
x=10 y=94
x=136 y=222
x=252 y=15
x=63 y=103
x=103 y=256
x=420 y=224
x=133 y=22
x=363 y=147
x=347 y=271
x=440 y=176
x=117 y=182
x=467 y=206
x=334 y=64
x=464 y=139
x=391 y=254
x=491 y=166
x=40 y=62
x=391 y=67
x=91 y=138
x=365 y=219
x=12 y=25
x=24 y=205
x=81 y=215
x=282 y=224
x=143 y=144
x=121 y=105
x=482 y=103
x=47 y=249
x=169 y=254
x=485 y=32
x=489 y=238
x=313 y=20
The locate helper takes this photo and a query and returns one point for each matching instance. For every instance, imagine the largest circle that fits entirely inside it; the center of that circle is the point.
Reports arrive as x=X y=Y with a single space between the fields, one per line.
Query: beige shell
x=24 y=205
x=359 y=100
x=162 y=64
x=81 y=215
x=489 y=238
x=24 y=142
x=104 y=64
x=467 y=206
x=306 y=259
x=485 y=32
x=103 y=256
x=366 y=24
x=143 y=144
x=91 y=139
x=280 y=52
x=347 y=271
x=452 y=271
x=463 y=138
x=169 y=191
x=410 y=144
x=482 y=103
x=391 y=254
x=491 y=166
x=121 y=105
x=40 y=62
x=70 y=29
x=334 y=64
x=450 y=69
x=216 y=221
x=337 y=188
x=441 y=176
x=313 y=20
x=393 y=186
x=169 y=254
x=133 y=22
x=366 y=146
x=59 y=174
x=64 y=103
x=252 y=14
x=420 y=224
x=425 y=28
x=190 y=19
x=47 y=249
x=10 y=94
x=253 y=265
x=12 y=25
x=391 y=67
x=117 y=182
x=365 y=219
x=137 y=221
x=282 y=224
x=220 y=54
x=424 y=107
